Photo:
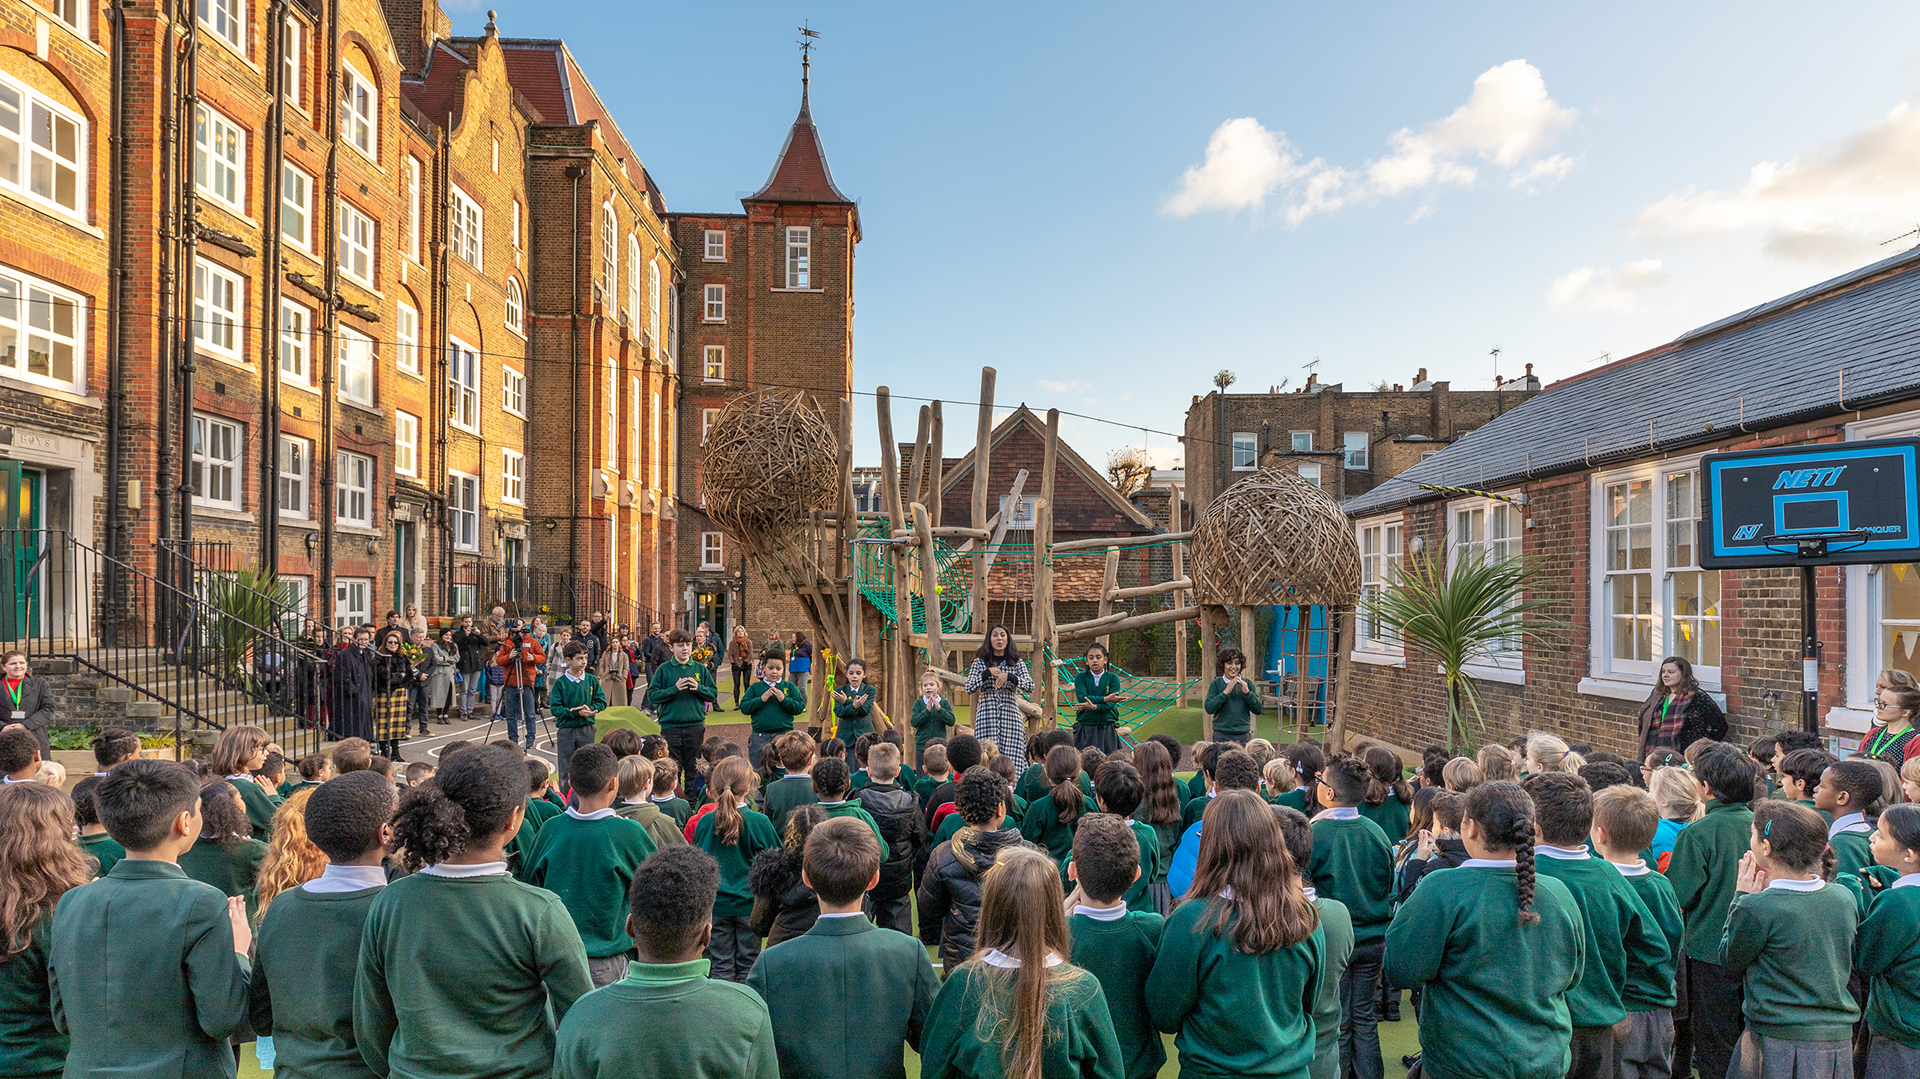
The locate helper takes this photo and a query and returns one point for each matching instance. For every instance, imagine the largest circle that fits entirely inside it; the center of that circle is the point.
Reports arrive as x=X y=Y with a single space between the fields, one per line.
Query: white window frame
x=1300 y=441
x=296 y=343
x=359 y=239
x=633 y=428
x=1492 y=528
x=610 y=256
x=707 y=416
x=293 y=477
x=611 y=387
x=1248 y=442
x=466 y=224
x=463 y=385
x=513 y=477
x=716 y=303
x=227 y=19
x=713 y=363
x=660 y=443
x=302 y=210
x=30 y=327
x=513 y=392
x=360 y=111
x=1357 y=445
x=219 y=309
x=36 y=149
x=1630 y=679
x=406 y=443
x=354 y=378
x=633 y=280
x=1309 y=471
x=653 y=305
x=218 y=447
x=293 y=57
x=71 y=12
x=413 y=207
x=799 y=260
x=353 y=489
x=352 y=601
x=463 y=504
x=713 y=550
x=220 y=158
x=406 y=338
x=1865 y=604
x=514 y=307
x=1382 y=546
x=716 y=245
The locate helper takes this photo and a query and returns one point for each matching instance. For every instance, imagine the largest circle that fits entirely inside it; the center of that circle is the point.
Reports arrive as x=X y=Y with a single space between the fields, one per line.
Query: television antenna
x=1495 y=353
x=1914 y=231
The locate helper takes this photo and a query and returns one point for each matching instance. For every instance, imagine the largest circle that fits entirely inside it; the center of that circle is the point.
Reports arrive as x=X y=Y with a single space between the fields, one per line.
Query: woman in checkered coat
x=392 y=676
x=997 y=677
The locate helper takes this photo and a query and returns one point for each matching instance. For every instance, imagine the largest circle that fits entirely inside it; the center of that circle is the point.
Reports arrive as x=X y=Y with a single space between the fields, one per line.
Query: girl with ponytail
x=734 y=833
x=1018 y=1009
x=1789 y=937
x=460 y=964
x=1887 y=951
x=1389 y=801
x=1054 y=817
x=1493 y=949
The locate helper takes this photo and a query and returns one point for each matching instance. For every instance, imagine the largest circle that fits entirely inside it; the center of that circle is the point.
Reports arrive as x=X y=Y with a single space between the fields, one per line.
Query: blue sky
x=1389 y=187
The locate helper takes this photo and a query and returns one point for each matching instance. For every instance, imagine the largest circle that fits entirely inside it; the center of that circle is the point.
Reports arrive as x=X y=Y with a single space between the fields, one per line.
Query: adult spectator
x=29 y=701
x=520 y=659
x=740 y=658
x=472 y=644
x=350 y=687
x=800 y=664
x=1678 y=712
x=415 y=621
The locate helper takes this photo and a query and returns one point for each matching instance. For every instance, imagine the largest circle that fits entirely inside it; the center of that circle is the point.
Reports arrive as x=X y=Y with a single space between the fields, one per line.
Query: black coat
x=474 y=653
x=1703 y=719
x=950 y=891
x=350 y=693
x=783 y=906
x=35 y=711
x=897 y=813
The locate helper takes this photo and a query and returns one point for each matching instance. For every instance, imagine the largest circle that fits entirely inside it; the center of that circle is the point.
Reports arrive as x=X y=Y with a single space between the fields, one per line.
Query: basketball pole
x=1809 y=652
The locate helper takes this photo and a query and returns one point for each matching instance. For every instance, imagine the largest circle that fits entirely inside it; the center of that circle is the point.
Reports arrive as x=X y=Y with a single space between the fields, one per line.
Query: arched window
x=633 y=279
x=515 y=307
x=653 y=308
x=610 y=257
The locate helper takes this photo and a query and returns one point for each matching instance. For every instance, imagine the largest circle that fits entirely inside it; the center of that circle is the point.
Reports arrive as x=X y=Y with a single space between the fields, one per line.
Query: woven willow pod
x=1274 y=538
x=772 y=456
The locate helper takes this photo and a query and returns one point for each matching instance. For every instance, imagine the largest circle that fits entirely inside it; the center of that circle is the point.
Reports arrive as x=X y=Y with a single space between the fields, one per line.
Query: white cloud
x=1831 y=205
x=1507 y=123
x=1064 y=387
x=1588 y=289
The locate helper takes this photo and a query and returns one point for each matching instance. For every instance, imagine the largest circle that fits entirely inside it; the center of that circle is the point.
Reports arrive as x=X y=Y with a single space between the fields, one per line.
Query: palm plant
x=249 y=602
x=1462 y=615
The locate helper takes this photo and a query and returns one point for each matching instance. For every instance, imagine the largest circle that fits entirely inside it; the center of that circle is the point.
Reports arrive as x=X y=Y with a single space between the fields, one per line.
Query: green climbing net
x=1149 y=696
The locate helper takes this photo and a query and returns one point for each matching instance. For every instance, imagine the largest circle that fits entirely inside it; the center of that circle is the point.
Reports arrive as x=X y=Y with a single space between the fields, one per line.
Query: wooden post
x=843 y=570
x=1248 y=640
x=935 y=468
x=930 y=595
x=1337 y=730
x=1206 y=670
x=916 y=475
x=982 y=454
x=890 y=488
x=1043 y=636
x=1179 y=598
x=1302 y=660
x=1107 y=586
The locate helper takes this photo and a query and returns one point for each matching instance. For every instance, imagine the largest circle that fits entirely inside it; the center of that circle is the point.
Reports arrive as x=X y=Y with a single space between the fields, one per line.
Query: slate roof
x=1790 y=360
x=800 y=173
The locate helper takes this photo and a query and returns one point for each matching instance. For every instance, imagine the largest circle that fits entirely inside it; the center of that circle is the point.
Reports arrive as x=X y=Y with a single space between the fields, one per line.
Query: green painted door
x=20 y=586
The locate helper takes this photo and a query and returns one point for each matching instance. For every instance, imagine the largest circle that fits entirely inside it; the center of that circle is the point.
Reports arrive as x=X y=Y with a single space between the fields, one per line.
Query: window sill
x=220 y=513
x=289 y=383
x=710 y=258
x=58 y=217
x=817 y=290
x=417 y=376
x=1381 y=659
x=1632 y=691
x=67 y=396
x=1488 y=672
x=369 y=408
x=344 y=528
x=76 y=33
x=713 y=322
x=1850 y=720
x=1245 y=468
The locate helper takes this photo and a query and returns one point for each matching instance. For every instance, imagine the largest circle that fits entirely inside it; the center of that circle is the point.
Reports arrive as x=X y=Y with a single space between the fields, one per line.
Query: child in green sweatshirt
x=1620 y=931
x=1800 y=772
x=1113 y=943
x=1849 y=790
x=575 y=698
x=834 y=788
x=1887 y=949
x=1232 y=700
x=771 y=703
x=853 y=704
x=1353 y=862
x=1703 y=870
x=932 y=717
x=461 y=965
x=93 y=839
x=1096 y=707
x=1494 y=950
x=733 y=834
x=587 y=856
x=667 y=1017
x=1336 y=928
x=301 y=992
x=1051 y=819
x=680 y=691
x=1238 y=990
x=1625 y=820
x=1789 y=937
x=1119 y=791
x=795 y=789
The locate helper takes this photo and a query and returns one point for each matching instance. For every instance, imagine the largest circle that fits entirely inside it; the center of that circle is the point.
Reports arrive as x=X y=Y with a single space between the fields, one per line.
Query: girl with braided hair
x=1493 y=949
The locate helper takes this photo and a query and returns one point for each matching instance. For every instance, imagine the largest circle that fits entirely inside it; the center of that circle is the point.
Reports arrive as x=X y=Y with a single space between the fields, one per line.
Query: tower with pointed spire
x=766 y=299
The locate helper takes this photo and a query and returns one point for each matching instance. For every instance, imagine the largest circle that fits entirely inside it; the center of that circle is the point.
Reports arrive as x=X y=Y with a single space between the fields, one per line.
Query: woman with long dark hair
x=996 y=679
x=1678 y=712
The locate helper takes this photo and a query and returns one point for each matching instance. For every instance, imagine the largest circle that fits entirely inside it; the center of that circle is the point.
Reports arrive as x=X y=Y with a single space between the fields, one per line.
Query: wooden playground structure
x=877 y=585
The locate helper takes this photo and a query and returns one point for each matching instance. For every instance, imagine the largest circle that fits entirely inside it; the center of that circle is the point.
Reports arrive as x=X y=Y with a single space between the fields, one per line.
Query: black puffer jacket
x=783 y=906
x=950 y=891
x=897 y=812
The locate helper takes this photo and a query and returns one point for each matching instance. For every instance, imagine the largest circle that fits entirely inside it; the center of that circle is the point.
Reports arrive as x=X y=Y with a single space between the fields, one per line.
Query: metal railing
x=163 y=644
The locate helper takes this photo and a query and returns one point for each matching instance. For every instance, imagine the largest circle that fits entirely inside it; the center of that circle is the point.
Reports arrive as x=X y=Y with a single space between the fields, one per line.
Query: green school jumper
x=1621 y=934
x=929 y=724
x=1851 y=849
x=1195 y=808
x=1197 y=783
x=1703 y=869
x=786 y=794
x=261 y=806
x=1153 y=868
x=566 y=694
x=1166 y=835
x=1652 y=987
x=1091 y=690
x=850 y=808
x=1079 y=1043
x=1234 y=1014
x=589 y=862
x=458 y=975
x=676 y=807
x=1795 y=949
x=855 y=715
x=668 y=1019
x=775 y=716
x=539 y=812
x=159 y=996
x=29 y=1043
x=1041 y=825
x=681 y=707
x=1033 y=784
x=1393 y=816
x=659 y=827
x=735 y=899
x=1353 y=862
x=230 y=870
x=1120 y=952
x=306 y=958
x=1336 y=926
x=1232 y=713
x=1295 y=799
x=1486 y=980
x=1887 y=950
x=850 y=996
x=103 y=849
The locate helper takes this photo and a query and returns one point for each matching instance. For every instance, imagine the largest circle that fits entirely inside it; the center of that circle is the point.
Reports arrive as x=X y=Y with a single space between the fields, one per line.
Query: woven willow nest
x=1274 y=538
x=771 y=457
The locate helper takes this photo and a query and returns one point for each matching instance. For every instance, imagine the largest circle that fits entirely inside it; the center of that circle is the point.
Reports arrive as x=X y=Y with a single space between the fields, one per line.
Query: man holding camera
x=522 y=658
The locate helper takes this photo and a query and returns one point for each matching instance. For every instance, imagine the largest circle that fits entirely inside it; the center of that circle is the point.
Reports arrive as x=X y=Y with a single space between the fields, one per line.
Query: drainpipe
x=169 y=286
x=269 y=500
x=575 y=173
x=442 y=201
x=190 y=219
x=330 y=320
x=116 y=297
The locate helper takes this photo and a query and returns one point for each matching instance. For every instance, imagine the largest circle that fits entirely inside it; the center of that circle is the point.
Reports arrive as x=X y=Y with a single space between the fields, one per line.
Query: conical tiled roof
x=800 y=173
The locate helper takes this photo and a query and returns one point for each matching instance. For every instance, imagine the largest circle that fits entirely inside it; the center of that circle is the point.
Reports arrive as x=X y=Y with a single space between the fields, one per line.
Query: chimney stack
x=1421 y=377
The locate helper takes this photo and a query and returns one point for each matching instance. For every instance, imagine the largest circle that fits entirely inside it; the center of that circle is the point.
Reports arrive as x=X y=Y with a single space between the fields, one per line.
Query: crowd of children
x=665 y=909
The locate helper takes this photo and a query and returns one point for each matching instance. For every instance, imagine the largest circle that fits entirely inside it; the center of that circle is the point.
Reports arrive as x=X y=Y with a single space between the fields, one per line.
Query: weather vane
x=806 y=38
